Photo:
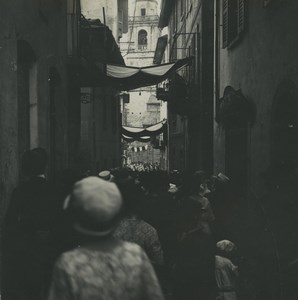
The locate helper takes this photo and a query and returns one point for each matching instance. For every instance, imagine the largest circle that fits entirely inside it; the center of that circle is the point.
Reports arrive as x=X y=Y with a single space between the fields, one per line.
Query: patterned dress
x=124 y=273
x=225 y=274
x=137 y=231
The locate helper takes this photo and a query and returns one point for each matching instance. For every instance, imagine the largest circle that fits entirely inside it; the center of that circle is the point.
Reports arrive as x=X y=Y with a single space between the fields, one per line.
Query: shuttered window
x=225 y=17
x=233 y=16
x=241 y=16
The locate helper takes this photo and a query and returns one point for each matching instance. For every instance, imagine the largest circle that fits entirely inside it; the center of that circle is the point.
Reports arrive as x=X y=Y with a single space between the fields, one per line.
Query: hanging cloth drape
x=129 y=78
x=137 y=133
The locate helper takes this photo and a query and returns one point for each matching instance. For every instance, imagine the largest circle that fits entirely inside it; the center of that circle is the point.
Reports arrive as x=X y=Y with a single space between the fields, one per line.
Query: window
x=153 y=107
x=27 y=97
x=143 y=11
x=142 y=39
x=233 y=15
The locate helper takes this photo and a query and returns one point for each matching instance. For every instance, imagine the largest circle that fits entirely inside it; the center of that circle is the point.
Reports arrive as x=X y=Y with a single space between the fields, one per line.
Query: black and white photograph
x=148 y=149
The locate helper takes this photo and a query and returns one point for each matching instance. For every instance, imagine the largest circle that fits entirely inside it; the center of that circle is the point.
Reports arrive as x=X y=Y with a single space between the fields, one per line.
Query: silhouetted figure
x=28 y=243
x=194 y=270
x=132 y=228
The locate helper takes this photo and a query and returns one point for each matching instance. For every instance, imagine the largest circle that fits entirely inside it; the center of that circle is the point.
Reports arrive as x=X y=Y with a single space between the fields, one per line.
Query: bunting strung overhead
x=129 y=78
x=136 y=133
x=139 y=149
x=142 y=139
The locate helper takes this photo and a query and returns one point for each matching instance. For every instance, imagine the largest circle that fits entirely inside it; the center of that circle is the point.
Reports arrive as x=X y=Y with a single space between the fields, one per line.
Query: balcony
x=142 y=47
x=141 y=19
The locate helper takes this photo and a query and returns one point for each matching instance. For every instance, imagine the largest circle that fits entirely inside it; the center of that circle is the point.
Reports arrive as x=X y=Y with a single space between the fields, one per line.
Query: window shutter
x=225 y=24
x=241 y=16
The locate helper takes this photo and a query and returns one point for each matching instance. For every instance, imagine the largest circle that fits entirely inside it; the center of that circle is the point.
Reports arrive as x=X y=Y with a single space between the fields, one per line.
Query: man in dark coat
x=194 y=270
x=28 y=244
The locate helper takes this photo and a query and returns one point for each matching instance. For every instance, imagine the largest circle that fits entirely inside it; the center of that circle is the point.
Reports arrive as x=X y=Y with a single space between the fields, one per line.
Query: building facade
x=37 y=41
x=190 y=34
x=263 y=79
x=255 y=132
x=245 y=74
x=100 y=146
x=48 y=76
x=112 y=13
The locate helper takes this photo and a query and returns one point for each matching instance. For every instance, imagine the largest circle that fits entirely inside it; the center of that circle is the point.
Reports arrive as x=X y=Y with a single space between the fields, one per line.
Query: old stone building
x=245 y=74
x=255 y=132
x=113 y=13
x=190 y=34
x=47 y=82
x=138 y=48
x=37 y=41
x=100 y=104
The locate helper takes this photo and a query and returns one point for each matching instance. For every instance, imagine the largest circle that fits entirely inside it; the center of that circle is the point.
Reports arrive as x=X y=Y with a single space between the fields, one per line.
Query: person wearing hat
x=199 y=190
x=226 y=272
x=102 y=267
x=106 y=175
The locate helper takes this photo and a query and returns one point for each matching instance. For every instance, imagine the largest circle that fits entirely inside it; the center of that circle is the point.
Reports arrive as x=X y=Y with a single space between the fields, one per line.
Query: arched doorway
x=142 y=40
x=284 y=135
x=283 y=179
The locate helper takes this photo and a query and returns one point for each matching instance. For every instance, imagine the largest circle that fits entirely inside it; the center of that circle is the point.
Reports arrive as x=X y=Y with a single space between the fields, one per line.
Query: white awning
x=129 y=78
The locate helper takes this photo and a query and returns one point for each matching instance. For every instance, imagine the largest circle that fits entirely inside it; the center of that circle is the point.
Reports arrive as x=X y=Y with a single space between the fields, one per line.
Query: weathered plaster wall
x=43 y=26
x=257 y=64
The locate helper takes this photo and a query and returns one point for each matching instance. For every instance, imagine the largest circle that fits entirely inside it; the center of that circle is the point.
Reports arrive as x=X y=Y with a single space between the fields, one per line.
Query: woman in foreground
x=102 y=267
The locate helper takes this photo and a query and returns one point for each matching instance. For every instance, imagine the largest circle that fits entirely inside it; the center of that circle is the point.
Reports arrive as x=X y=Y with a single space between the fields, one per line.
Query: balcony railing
x=148 y=18
x=142 y=47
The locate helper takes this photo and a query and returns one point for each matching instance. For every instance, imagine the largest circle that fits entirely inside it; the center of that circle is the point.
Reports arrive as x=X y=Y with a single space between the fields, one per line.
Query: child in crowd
x=226 y=272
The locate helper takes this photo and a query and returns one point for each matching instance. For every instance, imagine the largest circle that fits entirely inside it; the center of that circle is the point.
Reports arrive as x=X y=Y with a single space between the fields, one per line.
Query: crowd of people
x=122 y=234
x=143 y=167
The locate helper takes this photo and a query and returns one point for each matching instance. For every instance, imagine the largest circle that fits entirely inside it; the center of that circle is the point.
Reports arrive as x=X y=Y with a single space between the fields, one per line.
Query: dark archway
x=284 y=132
x=142 y=39
x=282 y=178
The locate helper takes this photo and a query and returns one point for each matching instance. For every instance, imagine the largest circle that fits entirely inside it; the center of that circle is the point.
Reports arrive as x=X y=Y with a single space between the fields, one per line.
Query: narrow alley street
x=149 y=150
